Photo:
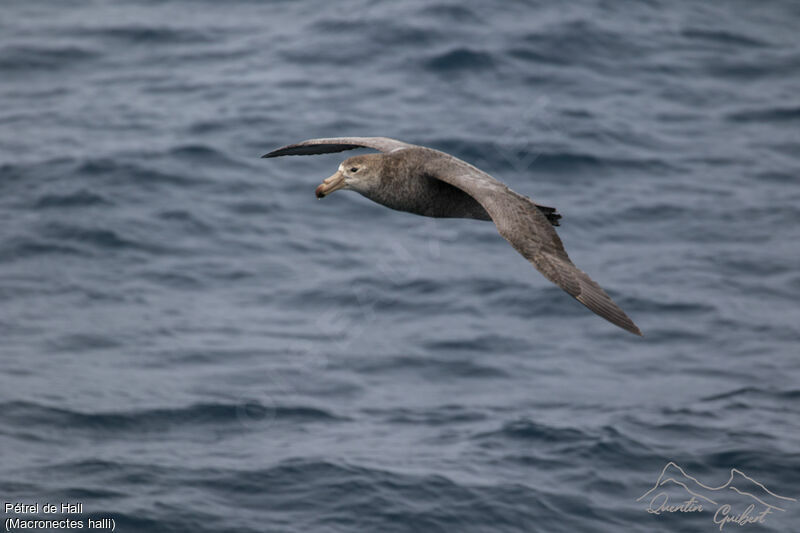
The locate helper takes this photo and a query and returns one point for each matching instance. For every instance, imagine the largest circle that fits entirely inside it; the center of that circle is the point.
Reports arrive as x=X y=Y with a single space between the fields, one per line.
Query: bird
x=431 y=183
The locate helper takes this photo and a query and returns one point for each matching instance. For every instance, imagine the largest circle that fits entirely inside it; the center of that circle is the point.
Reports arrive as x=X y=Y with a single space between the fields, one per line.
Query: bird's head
x=360 y=173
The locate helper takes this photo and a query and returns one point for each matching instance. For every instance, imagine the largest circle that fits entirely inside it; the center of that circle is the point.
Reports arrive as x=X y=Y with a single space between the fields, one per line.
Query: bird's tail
x=550 y=212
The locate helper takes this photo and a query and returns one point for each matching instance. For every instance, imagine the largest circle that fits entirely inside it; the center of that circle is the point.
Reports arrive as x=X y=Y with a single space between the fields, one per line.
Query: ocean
x=191 y=341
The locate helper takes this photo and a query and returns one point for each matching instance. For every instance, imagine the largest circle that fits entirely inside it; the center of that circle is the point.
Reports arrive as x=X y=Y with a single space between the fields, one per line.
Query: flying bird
x=431 y=183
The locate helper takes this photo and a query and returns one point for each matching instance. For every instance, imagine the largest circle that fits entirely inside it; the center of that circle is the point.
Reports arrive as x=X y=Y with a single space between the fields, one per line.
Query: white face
x=355 y=175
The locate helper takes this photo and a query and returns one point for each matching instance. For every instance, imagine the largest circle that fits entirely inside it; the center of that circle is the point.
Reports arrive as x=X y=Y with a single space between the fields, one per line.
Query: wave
x=770 y=114
x=152 y=34
x=652 y=212
x=603 y=443
x=28 y=414
x=580 y=41
x=189 y=222
x=481 y=344
x=385 y=498
x=433 y=368
x=749 y=70
x=681 y=308
x=443 y=415
x=97 y=238
x=723 y=37
x=754 y=392
x=22 y=247
x=36 y=57
x=202 y=153
x=129 y=173
x=79 y=198
x=345 y=496
x=766 y=462
x=525 y=429
x=450 y=13
x=460 y=59
x=84 y=342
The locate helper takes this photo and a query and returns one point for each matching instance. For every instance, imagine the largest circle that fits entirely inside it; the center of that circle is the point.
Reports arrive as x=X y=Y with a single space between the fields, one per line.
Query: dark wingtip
x=271 y=154
x=596 y=299
x=625 y=323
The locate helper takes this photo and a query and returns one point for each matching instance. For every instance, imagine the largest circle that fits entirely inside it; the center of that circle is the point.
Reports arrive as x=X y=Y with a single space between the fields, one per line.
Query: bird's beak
x=328 y=185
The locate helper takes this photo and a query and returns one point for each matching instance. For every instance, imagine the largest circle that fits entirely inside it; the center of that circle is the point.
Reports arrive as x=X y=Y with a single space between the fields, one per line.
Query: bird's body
x=431 y=183
x=405 y=186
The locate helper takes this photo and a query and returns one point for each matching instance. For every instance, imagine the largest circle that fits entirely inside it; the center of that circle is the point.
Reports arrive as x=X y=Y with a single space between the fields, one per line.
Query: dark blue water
x=190 y=341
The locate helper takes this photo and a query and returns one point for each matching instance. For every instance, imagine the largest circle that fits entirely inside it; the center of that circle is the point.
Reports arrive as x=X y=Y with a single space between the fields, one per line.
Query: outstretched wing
x=339 y=144
x=523 y=225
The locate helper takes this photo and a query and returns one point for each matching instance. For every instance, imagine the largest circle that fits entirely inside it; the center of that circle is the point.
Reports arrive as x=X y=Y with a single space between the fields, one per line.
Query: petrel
x=431 y=183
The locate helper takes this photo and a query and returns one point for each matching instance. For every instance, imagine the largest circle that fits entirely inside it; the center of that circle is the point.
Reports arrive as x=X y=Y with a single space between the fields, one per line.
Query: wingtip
x=627 y=324
x=601 y=304
x=265 y=156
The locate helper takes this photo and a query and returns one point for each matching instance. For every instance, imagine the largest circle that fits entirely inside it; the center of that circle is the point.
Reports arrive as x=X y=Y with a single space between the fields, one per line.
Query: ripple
x=529 y=430
x=202 y=153
x=460 y=59
x=80 y=198
x=447 y=414
x=26 y=247
x=103 y=239
x=450 y=13
x=481 y=344
x=152 y=35
x=128 y=173
x=753 y=391
x=386 y=498
x=29 y=57
x=27 y=415
x=83 y=342
x=723 y=37
x=432 y=368
x=769 y=114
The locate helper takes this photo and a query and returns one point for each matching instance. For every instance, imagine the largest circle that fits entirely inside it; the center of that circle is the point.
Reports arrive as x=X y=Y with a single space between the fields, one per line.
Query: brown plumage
x=431 y=183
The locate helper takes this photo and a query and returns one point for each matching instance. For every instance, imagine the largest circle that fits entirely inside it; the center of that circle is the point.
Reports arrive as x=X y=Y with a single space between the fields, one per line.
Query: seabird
x=431 y=183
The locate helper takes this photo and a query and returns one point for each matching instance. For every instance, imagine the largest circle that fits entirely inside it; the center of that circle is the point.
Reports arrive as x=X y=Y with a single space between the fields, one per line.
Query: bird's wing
x=521 y=223
x=339 y=144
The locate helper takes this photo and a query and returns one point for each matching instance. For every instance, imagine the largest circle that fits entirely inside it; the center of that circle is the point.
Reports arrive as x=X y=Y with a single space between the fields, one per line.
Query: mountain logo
x=741 y=500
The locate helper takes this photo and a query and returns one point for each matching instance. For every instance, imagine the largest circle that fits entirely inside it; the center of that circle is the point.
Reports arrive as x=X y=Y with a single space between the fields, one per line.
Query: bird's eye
x=353 y=169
